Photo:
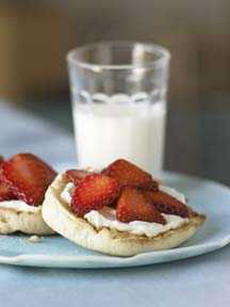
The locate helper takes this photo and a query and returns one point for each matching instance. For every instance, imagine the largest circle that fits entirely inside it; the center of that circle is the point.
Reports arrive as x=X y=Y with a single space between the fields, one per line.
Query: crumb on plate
x=34 y=239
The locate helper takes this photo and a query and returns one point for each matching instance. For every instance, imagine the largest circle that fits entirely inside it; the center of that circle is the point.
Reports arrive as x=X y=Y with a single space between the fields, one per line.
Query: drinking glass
x=118 y=92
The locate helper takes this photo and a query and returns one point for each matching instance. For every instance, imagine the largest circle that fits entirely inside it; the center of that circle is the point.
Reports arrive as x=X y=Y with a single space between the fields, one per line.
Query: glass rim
x=165 y=56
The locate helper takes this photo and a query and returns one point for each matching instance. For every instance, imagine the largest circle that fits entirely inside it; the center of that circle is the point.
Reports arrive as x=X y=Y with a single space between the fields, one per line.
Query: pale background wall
x=35 y=36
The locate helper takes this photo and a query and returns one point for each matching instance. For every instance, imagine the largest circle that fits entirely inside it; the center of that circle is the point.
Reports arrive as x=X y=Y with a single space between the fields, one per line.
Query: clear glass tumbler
x=118 y=94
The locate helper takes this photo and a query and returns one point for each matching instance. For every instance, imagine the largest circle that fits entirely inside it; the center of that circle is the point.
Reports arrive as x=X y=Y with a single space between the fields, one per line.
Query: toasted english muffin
x=29 y=222
x=59 y=216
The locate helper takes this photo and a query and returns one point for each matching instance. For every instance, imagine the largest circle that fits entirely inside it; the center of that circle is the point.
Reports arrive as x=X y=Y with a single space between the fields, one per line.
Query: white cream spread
x=107 y=216
x=66 y=194
x=19 y=206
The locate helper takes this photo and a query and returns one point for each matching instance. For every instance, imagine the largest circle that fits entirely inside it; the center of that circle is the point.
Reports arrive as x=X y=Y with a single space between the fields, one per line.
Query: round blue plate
x=205 y=196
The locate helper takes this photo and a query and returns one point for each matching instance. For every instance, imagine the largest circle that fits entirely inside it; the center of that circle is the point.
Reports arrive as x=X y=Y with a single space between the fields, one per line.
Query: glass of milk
x=118 y=94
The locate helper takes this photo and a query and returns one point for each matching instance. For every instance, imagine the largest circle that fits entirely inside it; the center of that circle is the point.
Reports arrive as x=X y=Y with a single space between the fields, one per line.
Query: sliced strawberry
x=76 y=176
x=94 y=192
x=166 y=203
x=1 y=164
x=28 y=177
x=130 y=175
x=132 y=206
x=5 y=192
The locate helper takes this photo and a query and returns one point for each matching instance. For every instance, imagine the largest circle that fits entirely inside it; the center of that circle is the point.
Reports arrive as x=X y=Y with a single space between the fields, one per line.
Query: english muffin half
x=59 y=215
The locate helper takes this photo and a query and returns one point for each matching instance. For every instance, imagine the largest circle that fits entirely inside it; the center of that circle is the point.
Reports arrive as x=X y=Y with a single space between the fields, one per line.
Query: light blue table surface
x=195 y=282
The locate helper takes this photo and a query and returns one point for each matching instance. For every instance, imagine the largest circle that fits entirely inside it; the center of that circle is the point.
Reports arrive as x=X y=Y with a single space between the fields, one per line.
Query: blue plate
x=207 y=197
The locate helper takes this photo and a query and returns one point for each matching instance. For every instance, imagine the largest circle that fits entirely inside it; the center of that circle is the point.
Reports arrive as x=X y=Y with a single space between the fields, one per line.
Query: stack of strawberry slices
x=130 y=190
x=25 y=177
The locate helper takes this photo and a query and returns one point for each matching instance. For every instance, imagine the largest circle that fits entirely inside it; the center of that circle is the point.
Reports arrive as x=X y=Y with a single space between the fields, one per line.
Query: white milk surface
x=107 y=131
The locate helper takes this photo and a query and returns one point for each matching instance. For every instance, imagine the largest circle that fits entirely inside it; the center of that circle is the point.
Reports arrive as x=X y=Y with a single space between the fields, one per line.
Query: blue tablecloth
x=21 y=132
x=196 y=282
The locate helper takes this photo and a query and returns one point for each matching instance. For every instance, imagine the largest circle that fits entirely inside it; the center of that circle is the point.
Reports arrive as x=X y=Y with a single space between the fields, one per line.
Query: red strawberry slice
x=28 y=177
x=130 y=175
x=1 y=164
x=75 y=176
x=5 y=192
x=166 y=203
x=93 y=193
x=132 y=206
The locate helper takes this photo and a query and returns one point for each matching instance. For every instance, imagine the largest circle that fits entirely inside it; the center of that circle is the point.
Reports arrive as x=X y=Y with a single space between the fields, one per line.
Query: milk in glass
x=118 y=127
